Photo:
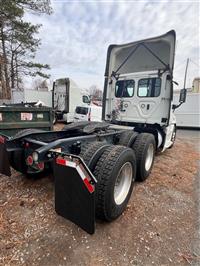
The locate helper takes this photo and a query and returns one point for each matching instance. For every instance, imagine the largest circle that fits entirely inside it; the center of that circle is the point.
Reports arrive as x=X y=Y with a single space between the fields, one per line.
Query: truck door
x=142 y=99
x=124 y=92
x=153 y=99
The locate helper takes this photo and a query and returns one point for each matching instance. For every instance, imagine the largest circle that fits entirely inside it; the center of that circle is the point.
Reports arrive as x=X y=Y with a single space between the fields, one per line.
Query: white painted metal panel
x=32 y=96
x=17 y=96
x=188 y=114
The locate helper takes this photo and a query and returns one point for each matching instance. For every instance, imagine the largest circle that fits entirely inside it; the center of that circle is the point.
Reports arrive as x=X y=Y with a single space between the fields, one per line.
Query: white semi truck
x=66 y=95
x=95 y=164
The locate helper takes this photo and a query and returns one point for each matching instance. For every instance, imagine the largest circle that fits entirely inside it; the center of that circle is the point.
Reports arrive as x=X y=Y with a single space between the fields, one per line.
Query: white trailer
x=66 y=96
x=188 y=114
x=28 y=96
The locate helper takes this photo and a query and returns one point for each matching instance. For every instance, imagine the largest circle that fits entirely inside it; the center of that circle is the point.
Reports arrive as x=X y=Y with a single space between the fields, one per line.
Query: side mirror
x=176 y=83
x=183 y=94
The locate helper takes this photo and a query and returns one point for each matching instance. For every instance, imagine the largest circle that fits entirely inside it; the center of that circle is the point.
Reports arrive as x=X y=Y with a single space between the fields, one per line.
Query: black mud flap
x=75 y=191
x=4 y=160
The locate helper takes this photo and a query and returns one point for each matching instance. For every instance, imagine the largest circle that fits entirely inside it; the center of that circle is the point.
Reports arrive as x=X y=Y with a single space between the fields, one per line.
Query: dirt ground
x=159 y=227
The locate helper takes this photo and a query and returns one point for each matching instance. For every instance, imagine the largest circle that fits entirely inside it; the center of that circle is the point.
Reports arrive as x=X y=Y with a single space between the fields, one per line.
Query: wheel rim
x=149 y=157
x=123 y=183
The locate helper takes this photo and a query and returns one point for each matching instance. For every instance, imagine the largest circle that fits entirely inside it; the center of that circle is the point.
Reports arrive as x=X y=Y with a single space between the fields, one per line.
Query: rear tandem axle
x=93 y=164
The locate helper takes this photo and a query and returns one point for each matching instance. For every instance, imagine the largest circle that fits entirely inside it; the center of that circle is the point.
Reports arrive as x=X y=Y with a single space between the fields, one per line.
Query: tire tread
x=127 y=138
x=102 y=172
x=138 y=147
x=89 y=149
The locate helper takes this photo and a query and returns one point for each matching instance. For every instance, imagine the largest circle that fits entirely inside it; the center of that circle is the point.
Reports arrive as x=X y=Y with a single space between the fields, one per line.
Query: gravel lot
x=159 y=227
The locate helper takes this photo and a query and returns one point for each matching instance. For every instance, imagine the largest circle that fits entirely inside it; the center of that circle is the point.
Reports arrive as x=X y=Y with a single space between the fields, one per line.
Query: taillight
x=29 y=160
x=2 y=139
x=40 y=165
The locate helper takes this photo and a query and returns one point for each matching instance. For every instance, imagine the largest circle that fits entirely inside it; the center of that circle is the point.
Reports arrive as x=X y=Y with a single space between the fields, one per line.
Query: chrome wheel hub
x=149 y=157
x=123 y=183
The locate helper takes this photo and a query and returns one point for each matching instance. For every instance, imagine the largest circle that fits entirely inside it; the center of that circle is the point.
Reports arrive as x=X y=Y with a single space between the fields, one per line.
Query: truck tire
x=17 y=157
x=91 y=153
x=144 y=147
x=115 y=172
x=127 y=138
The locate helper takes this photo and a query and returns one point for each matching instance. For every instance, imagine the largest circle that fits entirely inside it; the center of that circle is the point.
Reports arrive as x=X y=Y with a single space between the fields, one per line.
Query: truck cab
x=138 y=89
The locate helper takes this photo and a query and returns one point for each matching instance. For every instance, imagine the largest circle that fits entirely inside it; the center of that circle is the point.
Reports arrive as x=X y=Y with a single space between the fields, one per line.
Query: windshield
x=81 y=110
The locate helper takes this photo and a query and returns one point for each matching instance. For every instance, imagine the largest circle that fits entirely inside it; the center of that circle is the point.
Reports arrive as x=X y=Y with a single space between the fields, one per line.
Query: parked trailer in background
x=66 y=96
x=96 y=164
x=32 y=96
x=188 y=115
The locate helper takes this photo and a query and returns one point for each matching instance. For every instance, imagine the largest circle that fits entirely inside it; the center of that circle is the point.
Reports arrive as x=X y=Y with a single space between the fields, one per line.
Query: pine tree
x=18 y=43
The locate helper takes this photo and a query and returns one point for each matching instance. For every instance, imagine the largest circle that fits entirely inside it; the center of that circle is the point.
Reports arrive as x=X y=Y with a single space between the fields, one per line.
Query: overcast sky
x=76 y=36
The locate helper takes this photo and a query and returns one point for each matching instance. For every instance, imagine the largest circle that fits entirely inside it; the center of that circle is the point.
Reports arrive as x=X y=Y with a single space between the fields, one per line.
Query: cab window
x=124 y=88
x=81 y=110
x=149 y=87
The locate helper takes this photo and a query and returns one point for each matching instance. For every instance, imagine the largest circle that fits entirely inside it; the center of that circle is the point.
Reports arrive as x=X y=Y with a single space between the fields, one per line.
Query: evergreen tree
x=18 y=43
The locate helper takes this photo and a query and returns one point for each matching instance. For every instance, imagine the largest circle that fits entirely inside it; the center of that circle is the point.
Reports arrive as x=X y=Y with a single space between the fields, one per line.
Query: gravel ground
x=159 y=227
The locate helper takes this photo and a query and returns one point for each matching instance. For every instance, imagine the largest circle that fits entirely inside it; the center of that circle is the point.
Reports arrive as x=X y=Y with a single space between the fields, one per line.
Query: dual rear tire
x=144 y=146
x=115 y=171
x=114 y=167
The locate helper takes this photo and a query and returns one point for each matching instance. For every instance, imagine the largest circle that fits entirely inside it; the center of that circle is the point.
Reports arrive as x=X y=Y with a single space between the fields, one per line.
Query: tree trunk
x=12 y=71
x=17 y=73
x=6 y=90
x=2 y=82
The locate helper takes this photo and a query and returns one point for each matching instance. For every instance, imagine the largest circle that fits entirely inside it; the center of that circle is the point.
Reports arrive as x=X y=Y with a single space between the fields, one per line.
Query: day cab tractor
x=95 y=164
